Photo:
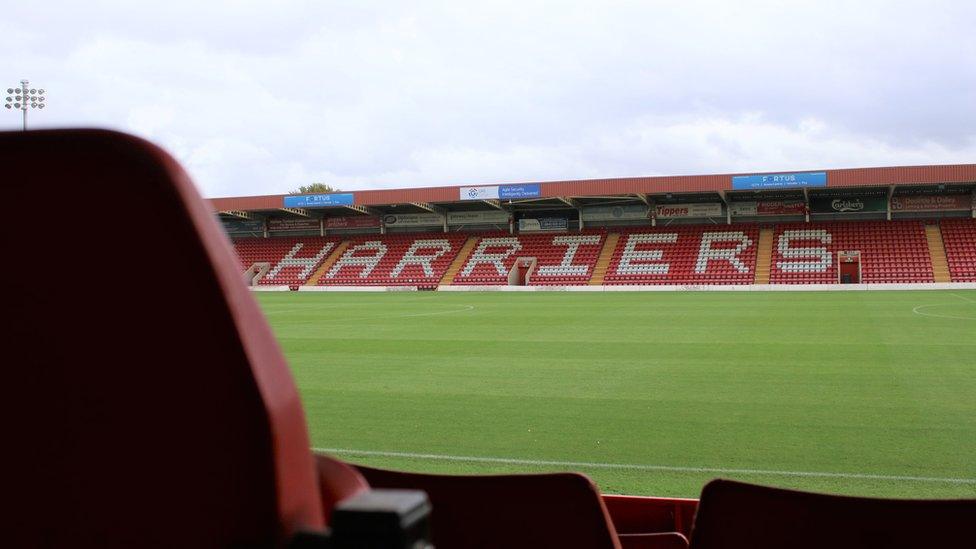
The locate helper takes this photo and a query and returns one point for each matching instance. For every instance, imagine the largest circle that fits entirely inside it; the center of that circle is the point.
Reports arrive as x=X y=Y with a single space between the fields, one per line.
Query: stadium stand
x=891 y=251
x=292 y=259
x=685 y=255
x=563 y=259
x=395 y=260
x=801 y=253
x=959 y=237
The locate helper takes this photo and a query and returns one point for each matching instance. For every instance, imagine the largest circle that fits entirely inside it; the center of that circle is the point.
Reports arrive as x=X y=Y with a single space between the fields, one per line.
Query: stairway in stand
x=764 y=255
x=603 y=262
x=459 y=260
x=327 y=264
x=937 y=253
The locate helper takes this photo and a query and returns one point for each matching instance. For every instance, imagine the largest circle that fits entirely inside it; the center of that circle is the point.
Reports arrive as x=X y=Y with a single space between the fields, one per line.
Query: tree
x=315 y=188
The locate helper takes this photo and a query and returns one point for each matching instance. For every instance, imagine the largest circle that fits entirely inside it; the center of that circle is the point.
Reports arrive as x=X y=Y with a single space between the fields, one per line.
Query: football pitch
x=649 y=393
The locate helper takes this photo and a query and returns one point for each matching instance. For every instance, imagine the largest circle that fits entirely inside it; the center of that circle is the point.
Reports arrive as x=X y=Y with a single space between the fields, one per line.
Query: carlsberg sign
x=848 y=204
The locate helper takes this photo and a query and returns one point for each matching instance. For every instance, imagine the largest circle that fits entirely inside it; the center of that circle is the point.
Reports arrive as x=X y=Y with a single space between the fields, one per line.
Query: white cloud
x=259 y=98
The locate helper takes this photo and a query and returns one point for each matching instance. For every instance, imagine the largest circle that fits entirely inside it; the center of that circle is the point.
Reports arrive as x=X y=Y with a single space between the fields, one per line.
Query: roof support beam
x=806 y=201
x=429 y=207
x=241 y=214
x=297 y=211
x=643 y=198
x=494 y=204
x=366 y=210
x=891 y=192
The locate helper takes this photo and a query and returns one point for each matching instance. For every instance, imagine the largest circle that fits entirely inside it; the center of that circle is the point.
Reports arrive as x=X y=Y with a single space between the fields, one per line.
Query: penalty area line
x=642 y=467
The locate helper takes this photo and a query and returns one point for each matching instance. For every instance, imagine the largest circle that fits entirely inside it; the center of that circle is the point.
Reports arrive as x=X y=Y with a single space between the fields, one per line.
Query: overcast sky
x=261 y=97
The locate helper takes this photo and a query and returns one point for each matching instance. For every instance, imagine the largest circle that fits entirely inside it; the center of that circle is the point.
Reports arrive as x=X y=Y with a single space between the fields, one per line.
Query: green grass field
x=869 y=393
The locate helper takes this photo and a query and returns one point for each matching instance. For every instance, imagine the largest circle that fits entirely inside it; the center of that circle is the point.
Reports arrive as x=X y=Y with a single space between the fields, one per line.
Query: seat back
x=545 y=510
x=152 y=405
x=733 y=514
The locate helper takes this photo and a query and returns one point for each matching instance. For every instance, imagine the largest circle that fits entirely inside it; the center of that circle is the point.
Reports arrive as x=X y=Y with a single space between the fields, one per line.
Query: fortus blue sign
x=779 y=181
x=319 y=200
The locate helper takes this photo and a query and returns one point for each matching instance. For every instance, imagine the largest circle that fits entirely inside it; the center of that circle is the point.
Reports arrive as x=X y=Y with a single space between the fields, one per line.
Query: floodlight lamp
x=17 y=98
x=40 y=90
x=10 y=90
x=34 y=105
x=17 y=90
x=9 y=99
x=33 y=90
x=41 y=99
x=7 y=105
x=17 y=105
x=41 y=106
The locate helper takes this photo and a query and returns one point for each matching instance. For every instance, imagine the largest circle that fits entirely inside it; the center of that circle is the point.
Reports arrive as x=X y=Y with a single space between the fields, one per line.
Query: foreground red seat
x=152 y=407
x=738 y=515
x=540 y=510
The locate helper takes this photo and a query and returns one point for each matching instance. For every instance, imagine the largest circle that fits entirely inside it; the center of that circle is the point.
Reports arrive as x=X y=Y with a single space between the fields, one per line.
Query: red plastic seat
x=737 y=515
x=546 y=510
x=153 y=409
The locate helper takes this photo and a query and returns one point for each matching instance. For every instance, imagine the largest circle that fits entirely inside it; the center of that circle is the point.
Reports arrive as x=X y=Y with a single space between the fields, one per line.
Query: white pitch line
x=964 y=298
x=640 y=467
x=918 y=311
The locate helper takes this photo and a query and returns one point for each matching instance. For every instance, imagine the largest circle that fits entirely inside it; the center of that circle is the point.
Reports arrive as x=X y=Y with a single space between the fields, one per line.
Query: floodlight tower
x=23 y=98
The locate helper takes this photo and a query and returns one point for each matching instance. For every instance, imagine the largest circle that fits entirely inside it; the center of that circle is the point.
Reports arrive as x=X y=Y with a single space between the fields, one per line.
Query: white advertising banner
x=744 y=208
x=614 y=213
x=695 y=209
x=478 y=218
x=413 y=220
x=479 y=193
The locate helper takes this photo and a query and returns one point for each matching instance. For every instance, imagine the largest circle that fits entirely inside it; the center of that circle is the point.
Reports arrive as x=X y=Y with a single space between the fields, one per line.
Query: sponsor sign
x=697 y=209
x=614 y=213
x=493 y=192
x=930 y=203
x=352 y=222
x=413 y=220
x=848 y=204
x=237 y=226
x=280 y=225
x=544 y=224
x=767 y=207
x=478 y=193
x=478 y=218
x=532 y=190
x=779 y=180
x=318 y=200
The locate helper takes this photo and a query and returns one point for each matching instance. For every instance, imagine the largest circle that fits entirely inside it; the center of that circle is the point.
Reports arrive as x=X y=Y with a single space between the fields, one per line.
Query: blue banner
x=531 y=190
x=779 y=181
x=318 y=200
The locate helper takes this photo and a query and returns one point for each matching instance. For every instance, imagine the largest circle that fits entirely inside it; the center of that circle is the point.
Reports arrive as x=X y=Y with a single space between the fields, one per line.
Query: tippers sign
x=848 y=204
x=698 y=209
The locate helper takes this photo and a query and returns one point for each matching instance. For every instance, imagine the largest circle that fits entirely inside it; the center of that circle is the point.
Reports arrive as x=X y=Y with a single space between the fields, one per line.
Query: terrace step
x=327 y=264
x=459 y=260
x=937 y=253
x=764 y=255
x=603 y=262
